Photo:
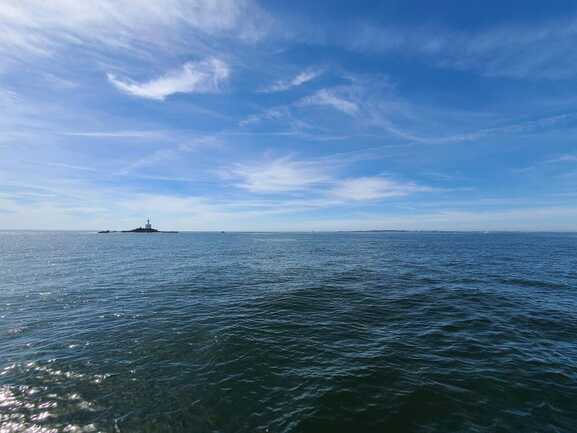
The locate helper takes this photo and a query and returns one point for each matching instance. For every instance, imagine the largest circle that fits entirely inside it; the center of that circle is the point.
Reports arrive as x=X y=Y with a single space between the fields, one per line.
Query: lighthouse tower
x=148 y=226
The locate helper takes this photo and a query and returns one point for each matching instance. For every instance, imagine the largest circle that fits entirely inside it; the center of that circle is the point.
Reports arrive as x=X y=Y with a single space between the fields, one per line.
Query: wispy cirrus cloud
x=319 y=177
x=167 y=153
x=274 y=113
x=32 y=27
x=533 y=51
x=373 y=102
x=300 y=79
x=332 y=98
x=374 y=188
x=116 y=134
x=154 y=158
x=61 y=165
x=206 y=76
x=563 y=158
x=122 y=209
x=278 y=175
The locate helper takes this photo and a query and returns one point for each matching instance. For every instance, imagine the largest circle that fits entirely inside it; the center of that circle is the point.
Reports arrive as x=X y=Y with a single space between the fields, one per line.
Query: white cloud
x=116 y=134
x=374 y=188
x=84 y=208
x=159 y=156
x=40 y=27
x=61 y=165
x=8 y=99
x=278 y=175
x=332 y=98
x=536 y=50
x=563 y=158
x=201 y=142
x=269 y=114
x=318 y=176
x=299 y=80
x=165 y=154
x=285 y=117
x=557 y=218
x=204 y=76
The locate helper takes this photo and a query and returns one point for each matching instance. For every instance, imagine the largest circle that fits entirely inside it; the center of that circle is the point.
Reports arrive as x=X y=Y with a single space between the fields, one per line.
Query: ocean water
x=288 y=332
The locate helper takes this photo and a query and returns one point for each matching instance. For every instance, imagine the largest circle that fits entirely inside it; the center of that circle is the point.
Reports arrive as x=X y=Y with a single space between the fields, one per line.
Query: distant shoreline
x=309 y=231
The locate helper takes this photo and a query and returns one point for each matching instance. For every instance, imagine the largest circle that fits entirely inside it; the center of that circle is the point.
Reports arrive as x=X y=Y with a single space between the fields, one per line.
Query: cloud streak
x=374 y=188
x=278 y=175
x=320 y=177
x=563 y=158
x=535 y=51
x=332 y=98
x=116 y=134
x=32 y=27
x=299 y=80
x=206 y=76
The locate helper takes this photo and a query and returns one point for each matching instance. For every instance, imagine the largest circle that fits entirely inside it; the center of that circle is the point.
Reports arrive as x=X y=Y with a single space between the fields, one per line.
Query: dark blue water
x=365 y=332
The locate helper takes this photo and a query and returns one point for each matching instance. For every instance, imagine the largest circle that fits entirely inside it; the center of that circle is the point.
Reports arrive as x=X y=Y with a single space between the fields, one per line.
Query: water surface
x=284 y=332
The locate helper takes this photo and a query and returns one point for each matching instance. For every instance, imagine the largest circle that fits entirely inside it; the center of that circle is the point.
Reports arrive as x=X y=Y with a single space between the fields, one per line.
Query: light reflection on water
x=26 y=408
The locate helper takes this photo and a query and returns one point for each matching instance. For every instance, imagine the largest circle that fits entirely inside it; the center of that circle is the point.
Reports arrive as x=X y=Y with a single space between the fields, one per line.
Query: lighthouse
x=147 y=229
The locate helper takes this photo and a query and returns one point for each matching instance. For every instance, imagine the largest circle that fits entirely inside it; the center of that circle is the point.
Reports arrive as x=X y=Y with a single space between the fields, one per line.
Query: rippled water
x=273 y=332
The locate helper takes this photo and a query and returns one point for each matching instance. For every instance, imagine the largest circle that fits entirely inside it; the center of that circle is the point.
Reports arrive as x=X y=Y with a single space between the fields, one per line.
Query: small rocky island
x=146 y=229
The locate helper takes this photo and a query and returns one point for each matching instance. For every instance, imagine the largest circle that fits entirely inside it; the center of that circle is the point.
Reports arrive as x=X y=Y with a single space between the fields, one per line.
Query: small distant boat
x=146 y=229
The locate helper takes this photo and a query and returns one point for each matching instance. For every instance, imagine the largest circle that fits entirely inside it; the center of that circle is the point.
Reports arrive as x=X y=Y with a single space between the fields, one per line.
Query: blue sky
x=275 y=115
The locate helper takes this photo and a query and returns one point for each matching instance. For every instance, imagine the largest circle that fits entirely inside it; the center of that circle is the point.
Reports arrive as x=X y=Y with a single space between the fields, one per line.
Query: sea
x=288 y=332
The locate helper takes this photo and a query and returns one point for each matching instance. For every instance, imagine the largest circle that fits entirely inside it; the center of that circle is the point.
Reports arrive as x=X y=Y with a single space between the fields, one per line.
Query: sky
x=274 y=115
